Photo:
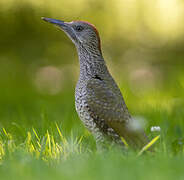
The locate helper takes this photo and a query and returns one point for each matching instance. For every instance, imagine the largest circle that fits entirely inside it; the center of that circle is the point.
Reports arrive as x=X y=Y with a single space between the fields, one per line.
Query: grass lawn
x=41 y=137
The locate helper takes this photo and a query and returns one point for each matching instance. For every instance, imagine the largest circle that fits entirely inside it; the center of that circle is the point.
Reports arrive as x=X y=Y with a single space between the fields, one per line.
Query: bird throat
x=91 y=63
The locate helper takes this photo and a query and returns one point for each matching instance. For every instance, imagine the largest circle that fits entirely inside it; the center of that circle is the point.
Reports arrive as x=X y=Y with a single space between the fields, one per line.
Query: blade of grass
x=147 y=146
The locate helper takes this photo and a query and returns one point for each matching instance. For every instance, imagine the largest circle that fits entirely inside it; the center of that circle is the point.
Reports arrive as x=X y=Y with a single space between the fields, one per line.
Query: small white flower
x=155 y=128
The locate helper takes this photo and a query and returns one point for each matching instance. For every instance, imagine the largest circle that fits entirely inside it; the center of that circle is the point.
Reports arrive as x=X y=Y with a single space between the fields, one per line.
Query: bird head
x=81 y=33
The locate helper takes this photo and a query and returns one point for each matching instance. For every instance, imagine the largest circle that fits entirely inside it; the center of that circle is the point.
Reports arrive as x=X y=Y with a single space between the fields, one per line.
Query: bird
x=98 y=99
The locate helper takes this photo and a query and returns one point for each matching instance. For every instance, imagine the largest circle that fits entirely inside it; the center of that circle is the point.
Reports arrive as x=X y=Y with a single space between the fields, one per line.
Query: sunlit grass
x=50 y=148
x=46 y=148
x=60 y=157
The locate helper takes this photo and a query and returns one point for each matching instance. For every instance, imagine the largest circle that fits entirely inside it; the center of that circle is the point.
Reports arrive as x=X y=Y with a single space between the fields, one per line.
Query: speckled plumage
x=98 y=100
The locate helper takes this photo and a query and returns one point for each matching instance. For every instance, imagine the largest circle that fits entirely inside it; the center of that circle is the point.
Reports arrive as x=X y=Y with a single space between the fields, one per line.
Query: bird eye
x=79 y=28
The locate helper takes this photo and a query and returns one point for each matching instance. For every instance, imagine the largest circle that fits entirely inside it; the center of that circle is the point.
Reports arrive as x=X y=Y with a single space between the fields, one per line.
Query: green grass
x=48 y=158
x=41 y=137
x=46 y=148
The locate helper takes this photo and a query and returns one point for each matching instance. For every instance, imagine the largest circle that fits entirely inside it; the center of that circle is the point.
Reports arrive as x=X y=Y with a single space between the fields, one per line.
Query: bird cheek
x=72 y=36
x=84 y=40
x=80 y=39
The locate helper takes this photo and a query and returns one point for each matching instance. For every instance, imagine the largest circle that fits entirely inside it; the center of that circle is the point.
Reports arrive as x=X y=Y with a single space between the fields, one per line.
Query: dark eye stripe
x=79 y=28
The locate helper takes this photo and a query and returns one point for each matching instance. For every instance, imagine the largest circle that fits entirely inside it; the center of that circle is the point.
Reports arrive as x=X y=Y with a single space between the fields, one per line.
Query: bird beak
x=65 y=26
x=55 y=21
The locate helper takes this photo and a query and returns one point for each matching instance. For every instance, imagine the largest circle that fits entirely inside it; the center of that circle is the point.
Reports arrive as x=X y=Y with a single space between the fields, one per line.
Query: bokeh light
x=48 y=80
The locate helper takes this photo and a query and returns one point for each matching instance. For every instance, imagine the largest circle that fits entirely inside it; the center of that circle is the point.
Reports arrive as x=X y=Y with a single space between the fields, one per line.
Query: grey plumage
x=98 y=100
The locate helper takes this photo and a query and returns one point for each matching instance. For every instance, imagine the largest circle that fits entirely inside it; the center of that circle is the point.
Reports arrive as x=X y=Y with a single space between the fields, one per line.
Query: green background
x=142 y=43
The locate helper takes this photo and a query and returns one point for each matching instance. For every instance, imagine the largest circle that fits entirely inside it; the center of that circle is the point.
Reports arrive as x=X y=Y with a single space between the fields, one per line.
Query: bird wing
x=106 y=102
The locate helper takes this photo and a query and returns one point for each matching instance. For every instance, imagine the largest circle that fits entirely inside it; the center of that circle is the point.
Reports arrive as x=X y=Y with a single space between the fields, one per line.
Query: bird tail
x=135 y=139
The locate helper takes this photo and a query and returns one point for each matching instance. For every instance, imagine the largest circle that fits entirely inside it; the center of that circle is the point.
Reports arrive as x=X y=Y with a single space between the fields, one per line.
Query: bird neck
x=91 y=62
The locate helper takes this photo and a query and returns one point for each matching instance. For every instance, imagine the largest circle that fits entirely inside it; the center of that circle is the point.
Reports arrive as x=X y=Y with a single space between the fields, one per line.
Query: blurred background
x=142 y=42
